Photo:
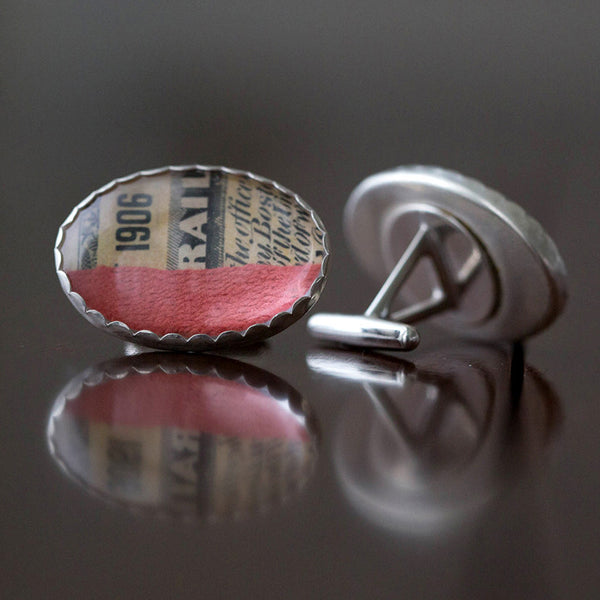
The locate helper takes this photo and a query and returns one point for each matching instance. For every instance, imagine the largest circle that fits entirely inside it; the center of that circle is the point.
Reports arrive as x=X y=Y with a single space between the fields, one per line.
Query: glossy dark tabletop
x=459 y=470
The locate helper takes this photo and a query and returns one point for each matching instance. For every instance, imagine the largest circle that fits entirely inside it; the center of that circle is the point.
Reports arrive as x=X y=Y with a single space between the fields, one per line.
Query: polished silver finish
x=449 y=249
x=457 y=265
x=200 y=341
x=365 y=330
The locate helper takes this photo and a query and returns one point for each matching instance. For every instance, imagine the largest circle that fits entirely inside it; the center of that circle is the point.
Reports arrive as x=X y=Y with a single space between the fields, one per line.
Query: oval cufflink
x=448 y=249
x=192 y=257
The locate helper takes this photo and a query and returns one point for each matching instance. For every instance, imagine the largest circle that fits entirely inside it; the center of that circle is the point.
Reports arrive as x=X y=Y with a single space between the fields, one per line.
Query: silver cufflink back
x=449 y=249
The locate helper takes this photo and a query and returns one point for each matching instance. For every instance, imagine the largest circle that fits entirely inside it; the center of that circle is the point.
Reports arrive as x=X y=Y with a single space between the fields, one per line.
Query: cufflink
x=192 y=257
x=447 y=249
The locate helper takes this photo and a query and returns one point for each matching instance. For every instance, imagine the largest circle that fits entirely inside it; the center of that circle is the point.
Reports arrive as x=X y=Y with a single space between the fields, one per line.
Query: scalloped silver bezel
x=199 y=341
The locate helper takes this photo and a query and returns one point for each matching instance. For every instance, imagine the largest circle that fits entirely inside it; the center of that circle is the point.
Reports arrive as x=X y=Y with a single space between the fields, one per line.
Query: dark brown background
x=316 y=96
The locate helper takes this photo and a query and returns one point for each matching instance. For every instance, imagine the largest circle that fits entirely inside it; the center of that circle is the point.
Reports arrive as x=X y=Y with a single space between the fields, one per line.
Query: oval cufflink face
x=480 y=265
x=192 y=258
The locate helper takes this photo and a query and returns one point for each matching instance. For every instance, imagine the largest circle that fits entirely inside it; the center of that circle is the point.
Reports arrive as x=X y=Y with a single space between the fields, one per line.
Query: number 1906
x=132 y=217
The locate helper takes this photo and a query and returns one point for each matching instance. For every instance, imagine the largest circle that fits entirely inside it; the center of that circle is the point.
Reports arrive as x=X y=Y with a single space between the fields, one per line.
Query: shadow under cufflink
x=199 y=437
x=439 y=438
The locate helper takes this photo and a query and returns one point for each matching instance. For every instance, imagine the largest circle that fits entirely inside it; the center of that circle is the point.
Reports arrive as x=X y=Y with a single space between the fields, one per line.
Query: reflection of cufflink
x=437 y=440
x=184 y=435
x=450 y=249
x=191 y=258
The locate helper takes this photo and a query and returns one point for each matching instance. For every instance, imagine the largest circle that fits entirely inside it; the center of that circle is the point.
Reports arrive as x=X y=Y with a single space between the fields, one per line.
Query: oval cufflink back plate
x=449 y=249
